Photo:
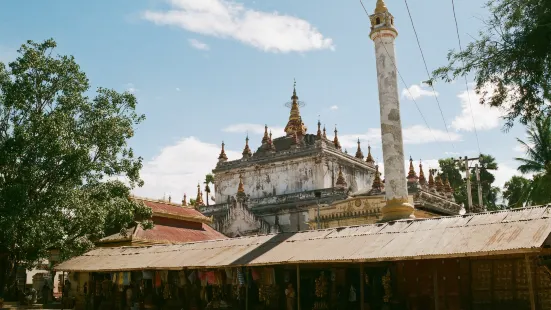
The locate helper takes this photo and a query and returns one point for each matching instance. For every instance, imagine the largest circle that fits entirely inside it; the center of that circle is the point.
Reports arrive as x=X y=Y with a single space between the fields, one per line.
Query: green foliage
x=209 y=179
x=453 y=170
x=513 y=54
x=515 y=191
x=192 y=202
x=61 y=157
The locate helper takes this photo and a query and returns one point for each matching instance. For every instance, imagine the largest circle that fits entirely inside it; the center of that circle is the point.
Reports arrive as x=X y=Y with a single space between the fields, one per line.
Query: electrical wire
x=405 y=84
x=428 y=74
x=466 y=84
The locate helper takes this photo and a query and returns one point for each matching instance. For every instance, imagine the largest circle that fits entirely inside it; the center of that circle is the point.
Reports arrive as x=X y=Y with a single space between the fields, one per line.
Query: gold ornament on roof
x=324 y=132
x=319 y=134
x=336 y=140
x=247 y=150
x=265 y=138
x=369 y=159
x=240 y=187
x=223 y=155
x=199 y=199
x=422 y=179
x=381 y=7
x=359 y=153
x=377 y=183
x=412 y=176
x=431 y=178
x=184 y=201
x=295 y=123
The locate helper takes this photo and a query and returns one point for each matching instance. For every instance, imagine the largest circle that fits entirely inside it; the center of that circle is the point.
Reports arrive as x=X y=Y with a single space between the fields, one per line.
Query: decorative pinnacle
x=359 y=153
x=265 y=138
x=199 y=199
x=294 y=97
x=377 y=184
x=319 y=134
x=223 y=155
x=241 y=187
x=412 y=176
x=422 y=179
x=369 y=159
x=341 y=183
x=381 y=7
x=184 y=201
x=247 y=150
x=324 y=132
x=336 y=140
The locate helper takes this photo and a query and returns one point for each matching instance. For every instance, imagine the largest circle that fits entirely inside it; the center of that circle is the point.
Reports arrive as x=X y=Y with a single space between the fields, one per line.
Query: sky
x=207 y=71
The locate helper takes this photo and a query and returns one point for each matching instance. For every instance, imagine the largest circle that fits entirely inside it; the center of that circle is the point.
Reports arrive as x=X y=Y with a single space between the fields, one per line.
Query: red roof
x=173 y=224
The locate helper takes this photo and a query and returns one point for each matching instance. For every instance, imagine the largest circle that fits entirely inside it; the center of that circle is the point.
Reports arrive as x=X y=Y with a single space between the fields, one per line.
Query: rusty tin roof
x=492 y=233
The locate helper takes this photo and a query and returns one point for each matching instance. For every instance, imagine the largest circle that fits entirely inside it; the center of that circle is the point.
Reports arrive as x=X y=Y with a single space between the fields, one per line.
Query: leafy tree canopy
x=61 y=155
x=512 y=55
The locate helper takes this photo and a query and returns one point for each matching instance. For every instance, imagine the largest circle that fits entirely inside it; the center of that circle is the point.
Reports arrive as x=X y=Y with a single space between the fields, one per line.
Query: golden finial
x=199 y=199
x=247 y=150
x=324 y=132
x=381 y=7
x=265 y=138
x=271 y=145
x=336 y=140
x=223 y=156
x=341 y=182
x=240 y=187
x=319 y=134
x=369 y=159
x=184 y=201
x=294 y=97
x=377 y=184
x=295 y=121
x=359 y=153
x=412 y=176
x=422 y=179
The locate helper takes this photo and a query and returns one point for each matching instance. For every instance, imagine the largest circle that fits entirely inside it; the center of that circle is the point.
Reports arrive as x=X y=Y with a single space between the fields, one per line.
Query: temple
x=278 y=187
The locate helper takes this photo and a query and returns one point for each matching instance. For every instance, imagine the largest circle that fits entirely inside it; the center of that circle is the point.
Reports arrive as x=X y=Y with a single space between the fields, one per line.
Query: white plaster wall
x=270 y=180
x=356 y=177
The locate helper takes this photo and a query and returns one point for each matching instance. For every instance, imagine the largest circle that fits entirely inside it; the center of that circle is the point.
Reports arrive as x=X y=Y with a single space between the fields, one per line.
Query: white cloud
x=334 y=107
x=131 y=88
x=177 y=88
x=267 y=31
x=199 y=45
x=415 y=92
x=253 y=129
x=177 y=169
x=485 y=117
x=416 y=134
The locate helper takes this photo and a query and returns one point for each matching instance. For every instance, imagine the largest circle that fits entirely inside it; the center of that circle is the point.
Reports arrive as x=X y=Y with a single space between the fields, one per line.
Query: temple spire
x=359 y=153
x=369 y=159
x=324 y=132
x=265 y=138
x=381 y=7
x=199 y=200
x=412 y=176
x=271 y=145
x=431 y=178
x=184 y=201
x=240 y=187
x=319 y=134
x=222 y=157
x=341 y=182
x=247 y=150
x=336 y=140
x=422 y=179
x=438 y=183
x=377 y=183
x=295 y=121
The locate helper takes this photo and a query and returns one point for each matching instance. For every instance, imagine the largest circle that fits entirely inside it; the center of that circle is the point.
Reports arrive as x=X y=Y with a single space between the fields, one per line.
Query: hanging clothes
x=182 y=279
x=192 y=277
x=126 y=278
x=255 y=274
x=158 y=280
x=147 y=275
x=240 y=276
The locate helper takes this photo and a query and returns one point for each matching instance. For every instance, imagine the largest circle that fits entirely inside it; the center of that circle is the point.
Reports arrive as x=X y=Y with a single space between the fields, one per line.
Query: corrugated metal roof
x=513 y=231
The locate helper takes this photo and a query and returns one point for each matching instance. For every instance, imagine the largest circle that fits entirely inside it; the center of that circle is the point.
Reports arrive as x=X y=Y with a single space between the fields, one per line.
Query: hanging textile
x=240 y=277
x=157 y=279
x=164 y=275
x=126 y=278
x=192 y=277
x=256 y=274
x=147 y=275
x=182 y=278
x=211 y=277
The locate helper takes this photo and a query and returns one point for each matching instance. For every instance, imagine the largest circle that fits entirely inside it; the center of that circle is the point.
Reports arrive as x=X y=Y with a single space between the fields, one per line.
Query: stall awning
x=493 y=233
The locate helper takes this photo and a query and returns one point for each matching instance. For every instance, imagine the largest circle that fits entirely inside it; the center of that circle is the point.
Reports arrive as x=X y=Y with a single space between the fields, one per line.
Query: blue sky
x=211 y=70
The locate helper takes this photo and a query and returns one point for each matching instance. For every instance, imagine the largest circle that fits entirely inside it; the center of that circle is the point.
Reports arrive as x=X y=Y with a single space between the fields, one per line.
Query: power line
x=405 y=84
x=428 y=74
x=466 y=84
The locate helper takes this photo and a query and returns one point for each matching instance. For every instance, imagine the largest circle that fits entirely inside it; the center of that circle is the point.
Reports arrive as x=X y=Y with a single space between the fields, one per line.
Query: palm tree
x=537 y=160
x=209 y=179
x=538 y=147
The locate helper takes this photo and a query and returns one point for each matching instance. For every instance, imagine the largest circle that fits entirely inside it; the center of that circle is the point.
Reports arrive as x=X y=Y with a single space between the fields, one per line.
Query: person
x=290 y=296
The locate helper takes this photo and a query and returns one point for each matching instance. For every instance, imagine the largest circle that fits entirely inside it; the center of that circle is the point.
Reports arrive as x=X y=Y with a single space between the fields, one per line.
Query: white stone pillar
x=383 y=35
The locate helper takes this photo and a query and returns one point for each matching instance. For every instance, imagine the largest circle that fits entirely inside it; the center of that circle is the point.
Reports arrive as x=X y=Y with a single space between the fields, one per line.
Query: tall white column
x=383 y=35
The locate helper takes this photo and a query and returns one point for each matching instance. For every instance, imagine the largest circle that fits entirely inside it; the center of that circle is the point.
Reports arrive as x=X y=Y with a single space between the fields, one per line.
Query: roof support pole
x=435 y=289
x=362 y=280
x=298 y=287
x=247 y=288
x=530 y=283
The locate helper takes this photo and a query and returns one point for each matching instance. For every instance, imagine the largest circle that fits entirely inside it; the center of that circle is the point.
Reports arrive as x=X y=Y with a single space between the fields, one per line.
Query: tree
x=537 y=160
x=453 y=171
x=62 y=155
x=515 y=191
x=192 y=202
x=209 y=179
x=510 y=59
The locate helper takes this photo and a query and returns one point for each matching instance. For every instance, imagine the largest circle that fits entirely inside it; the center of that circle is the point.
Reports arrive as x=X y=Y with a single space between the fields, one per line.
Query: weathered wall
x=279 y=178
x=357 y=178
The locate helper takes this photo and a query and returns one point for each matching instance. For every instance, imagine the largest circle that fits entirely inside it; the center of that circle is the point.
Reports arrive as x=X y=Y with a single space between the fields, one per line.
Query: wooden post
x=298 y=287
x=362 y=280
x=247 y=288
x=530 y=283
x=435 y=281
